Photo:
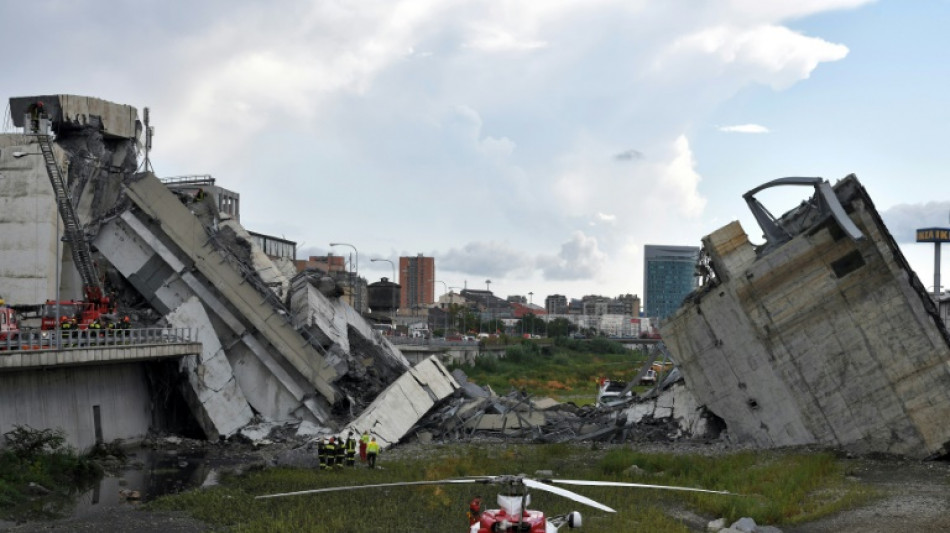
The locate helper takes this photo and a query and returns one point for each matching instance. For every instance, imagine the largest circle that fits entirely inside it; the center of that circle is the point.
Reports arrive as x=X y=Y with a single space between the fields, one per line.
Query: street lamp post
x=445 y=314
x=487 y=301
x=460 y=326
x=354 y=283
x=393 y=310
x=531 y=308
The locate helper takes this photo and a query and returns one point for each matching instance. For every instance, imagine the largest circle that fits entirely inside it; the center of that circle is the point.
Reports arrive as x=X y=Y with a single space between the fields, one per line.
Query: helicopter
x=513 y=515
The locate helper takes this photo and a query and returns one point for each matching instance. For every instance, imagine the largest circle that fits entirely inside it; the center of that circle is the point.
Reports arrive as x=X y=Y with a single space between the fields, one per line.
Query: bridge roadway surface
x=35 y=350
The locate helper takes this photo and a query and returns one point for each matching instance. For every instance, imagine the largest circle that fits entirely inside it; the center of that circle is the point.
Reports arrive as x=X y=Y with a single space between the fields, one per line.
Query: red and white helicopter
x=513 y=514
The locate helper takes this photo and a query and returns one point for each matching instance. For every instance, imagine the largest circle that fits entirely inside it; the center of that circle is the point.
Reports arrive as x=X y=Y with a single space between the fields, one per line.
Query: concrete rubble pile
x=277 y=345
x=478 y=413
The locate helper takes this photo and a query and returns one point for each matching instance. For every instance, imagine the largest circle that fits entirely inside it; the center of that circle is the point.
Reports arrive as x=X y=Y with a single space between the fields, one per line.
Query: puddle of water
x=149 y=473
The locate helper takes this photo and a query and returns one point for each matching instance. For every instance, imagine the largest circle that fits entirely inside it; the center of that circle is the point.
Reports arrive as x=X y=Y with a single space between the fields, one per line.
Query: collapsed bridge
x=275 y=345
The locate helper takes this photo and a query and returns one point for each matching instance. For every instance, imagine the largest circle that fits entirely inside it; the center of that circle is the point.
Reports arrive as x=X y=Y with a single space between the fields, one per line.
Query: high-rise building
x=417 y=279
x=669 y=275
x=556 y=304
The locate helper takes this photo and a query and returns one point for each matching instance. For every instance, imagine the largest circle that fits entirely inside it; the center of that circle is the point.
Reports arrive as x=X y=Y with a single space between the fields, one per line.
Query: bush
x=486 y=363
x=41 y=456
x=602 y=345
x=27 y=443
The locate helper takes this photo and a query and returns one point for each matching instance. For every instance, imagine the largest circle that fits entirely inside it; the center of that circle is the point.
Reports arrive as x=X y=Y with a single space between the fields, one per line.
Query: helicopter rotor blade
x=589 y=483
x=375 y=486
x=534 y=484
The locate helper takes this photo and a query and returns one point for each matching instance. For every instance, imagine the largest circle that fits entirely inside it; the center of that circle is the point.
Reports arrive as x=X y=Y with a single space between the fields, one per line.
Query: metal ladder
x=74 y=234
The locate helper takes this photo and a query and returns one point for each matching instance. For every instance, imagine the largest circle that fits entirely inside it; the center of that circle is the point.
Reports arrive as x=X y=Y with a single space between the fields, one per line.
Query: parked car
x=611 y=392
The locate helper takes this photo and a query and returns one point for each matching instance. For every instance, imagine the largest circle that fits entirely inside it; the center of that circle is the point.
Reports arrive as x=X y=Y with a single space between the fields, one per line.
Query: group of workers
x=337 y=453
x=69 y=324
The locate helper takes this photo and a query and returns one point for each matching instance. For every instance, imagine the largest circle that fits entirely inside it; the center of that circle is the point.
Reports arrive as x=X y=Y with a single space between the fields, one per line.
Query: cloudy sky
x=537 y=144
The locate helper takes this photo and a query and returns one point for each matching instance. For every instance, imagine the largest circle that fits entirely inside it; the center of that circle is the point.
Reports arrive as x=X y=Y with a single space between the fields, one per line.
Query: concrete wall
x=795 y=346
x=28 y=221
x=64 y=398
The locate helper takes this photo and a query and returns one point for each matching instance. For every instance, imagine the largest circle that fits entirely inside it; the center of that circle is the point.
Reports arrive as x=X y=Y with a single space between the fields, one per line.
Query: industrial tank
x=383 y=296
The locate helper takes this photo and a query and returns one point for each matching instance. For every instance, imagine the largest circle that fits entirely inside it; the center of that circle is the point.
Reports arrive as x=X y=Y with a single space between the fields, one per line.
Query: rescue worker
x=350 y=448
x=340 y=452
x=330 y=449
x=125 y=326
x=364 y=440
x=66 y=327
x=74 y=327
x=95 y=329
x=200 y=195
x=372 y=450
x=475 y=510
x=322 y=453
x=35 y=110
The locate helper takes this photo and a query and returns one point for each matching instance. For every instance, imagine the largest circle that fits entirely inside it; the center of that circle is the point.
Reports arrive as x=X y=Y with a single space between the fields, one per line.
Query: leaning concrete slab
x=404 y=402
x=159 y=271
x=190 y=236
x=211 y=389
x=817 y=337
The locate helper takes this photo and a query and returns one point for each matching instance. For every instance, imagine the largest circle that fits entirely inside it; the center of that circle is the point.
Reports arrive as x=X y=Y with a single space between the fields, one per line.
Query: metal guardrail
x=34 y=339
x=196 y=179
x=415 y=341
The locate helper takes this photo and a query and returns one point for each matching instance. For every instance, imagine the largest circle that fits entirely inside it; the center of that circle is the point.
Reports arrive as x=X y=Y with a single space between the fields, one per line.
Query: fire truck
x=9 y=326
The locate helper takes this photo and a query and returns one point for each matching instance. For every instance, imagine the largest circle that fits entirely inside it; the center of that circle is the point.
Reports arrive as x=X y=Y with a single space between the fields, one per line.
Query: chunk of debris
x=823 y=334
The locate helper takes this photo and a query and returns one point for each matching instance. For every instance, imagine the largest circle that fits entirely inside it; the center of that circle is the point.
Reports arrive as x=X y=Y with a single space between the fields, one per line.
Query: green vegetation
x=771 y=488
x=40 y=475
x=566 y=371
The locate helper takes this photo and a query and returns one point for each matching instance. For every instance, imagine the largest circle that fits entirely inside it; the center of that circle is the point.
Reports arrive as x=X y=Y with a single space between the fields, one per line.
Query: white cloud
x=678 y=181
x=579 y=258
x=744 y=128
x=484 y=259
x=767 y=54
x=495 y=40
x=778 y=11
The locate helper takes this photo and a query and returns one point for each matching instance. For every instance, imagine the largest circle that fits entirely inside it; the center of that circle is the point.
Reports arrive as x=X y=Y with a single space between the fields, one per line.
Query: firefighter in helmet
x=350 y=448
x=330 y=451
x=322 y=452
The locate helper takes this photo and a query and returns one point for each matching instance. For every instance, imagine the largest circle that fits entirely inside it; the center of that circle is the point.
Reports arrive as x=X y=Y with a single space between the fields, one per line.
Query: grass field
x=566 y=371
x=771 y=488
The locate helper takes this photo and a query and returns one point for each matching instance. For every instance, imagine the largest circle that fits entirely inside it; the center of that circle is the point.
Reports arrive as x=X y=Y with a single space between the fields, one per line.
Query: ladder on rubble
x=73 y=230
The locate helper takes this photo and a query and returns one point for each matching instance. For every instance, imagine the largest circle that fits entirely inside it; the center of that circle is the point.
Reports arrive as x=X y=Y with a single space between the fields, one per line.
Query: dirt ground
x=915 y=496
